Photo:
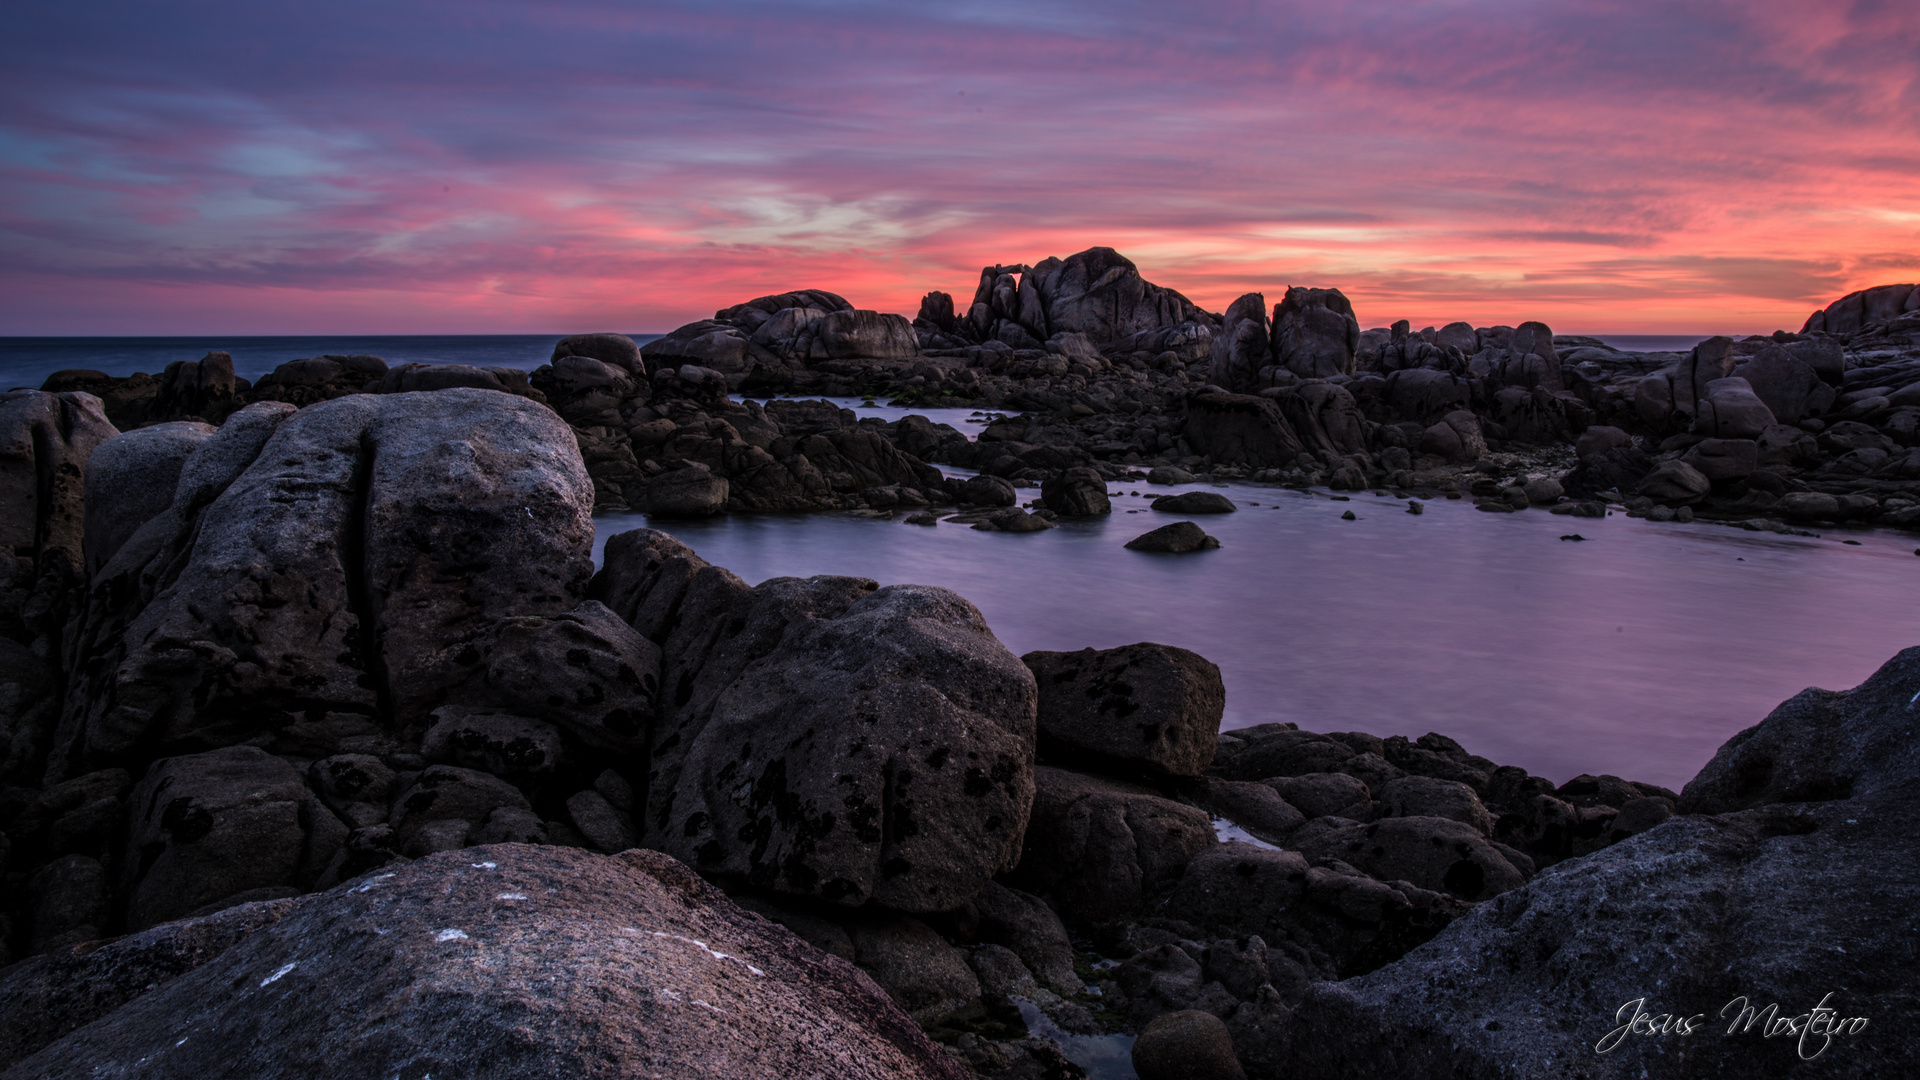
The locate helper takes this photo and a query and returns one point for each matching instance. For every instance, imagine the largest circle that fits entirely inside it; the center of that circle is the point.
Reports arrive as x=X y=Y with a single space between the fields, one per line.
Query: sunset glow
x=480 y=167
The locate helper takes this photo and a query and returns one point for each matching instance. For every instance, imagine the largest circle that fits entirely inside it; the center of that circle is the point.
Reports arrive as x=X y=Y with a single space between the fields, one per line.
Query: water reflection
x=1636 y=653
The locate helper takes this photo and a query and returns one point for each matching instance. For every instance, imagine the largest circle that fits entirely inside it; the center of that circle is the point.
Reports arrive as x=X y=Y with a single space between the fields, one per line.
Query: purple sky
x=481 y=167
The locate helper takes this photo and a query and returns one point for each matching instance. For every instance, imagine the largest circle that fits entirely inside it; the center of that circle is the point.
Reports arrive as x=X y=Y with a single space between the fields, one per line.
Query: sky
x=471 y=166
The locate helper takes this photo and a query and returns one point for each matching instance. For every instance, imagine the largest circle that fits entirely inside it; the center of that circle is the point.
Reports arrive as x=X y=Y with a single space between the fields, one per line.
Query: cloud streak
x=474 y=167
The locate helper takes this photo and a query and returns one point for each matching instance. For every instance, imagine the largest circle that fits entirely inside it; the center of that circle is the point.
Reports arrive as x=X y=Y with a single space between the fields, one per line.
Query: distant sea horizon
x=25 y=362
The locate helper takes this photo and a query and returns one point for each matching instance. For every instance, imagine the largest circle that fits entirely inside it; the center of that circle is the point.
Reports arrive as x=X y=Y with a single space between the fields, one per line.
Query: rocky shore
x=324 y=748
x=1083 y=364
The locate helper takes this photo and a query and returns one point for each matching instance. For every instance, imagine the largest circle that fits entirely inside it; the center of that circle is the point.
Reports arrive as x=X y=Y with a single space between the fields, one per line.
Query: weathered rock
x=927 y=977
x=1100 y=293
x=70 y=901
x=606 y=828
x=831 y=740
x=1241 y=428
x=45 y=441
x=209 y=826
x=1598 y=439
x=1023 y=923
x=1001 y=972
x=1194 y=502
x=1186 y=1045
x=404 y=526
x=1324 y=794
x=509 y=746
x=202 y=389
x=360 y=788
x=1102 y=848
x=130 y=479
x=1424 y=796
x=1257 y=808
x=1314 y=333
x=1729 y=409
x=1675 y=483
x=1789 y=387
x=1456 y=437
x=615 y=349
x=1808 y=506
x=1819 y=745
x=1144 y=708
x=1076 y=492
x=1283 y=751
x=1696 y=921
x=450 y=794
x=585 y=670
x=56 y=993
x=867 y=334
x=708 y=343
x=1243 y=345
x=654 y=971
x=1724 y=459
x=1175 y=539
x=693 y=491
x=1432 y=853
x=29 y=709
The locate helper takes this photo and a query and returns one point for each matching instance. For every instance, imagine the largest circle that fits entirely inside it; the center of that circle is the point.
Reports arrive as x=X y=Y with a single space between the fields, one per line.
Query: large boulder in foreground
x=1796 y=900
x=1143 y=708
x=510 y=961
x=827 y=738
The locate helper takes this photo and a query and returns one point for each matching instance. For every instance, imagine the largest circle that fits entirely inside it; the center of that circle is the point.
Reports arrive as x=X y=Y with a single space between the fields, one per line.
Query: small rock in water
x=1349 y=516
x=923 y=518
x=1573 y=536
x=1169 y=474
x=1175 y=539
x=1855 y=543
x=1415 y=506
x=1194 y=502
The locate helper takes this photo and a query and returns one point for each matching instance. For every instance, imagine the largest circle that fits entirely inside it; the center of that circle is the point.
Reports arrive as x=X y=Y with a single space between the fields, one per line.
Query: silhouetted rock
x=1141 y=708
x=1175 y=539
x=1314 y=333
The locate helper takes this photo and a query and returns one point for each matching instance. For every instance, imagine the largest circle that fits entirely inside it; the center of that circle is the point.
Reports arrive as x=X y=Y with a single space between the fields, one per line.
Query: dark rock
x=1284 y=751
x=1724 y=459
x=1789 y=387
x=657 y=969
x=1243 y=345
x=1424 y=796
x=56 y=993
x=690 y=492
x=1195 y=502
x=1818 y=745
x=585 y=670
x=1729 y=409
x=70 y=901
x=607 y=829
x=45 y=441
x=406 y=526
x=927 y=977
x=455 y=799
x=509 y=746
x=1456 y=437
x=202 y=389
x=1077 y=492
x=1324 y=794
x=209 y=826
x=827 y=739
x=615 y=349
x=1102 y=848
x=1186 y=1045
x=1251 y=431
x=1142 y=708
x=1175 y=539
x=1432 y=853
x=130 y=479
x=1024 y=923
x=1314 y=333
x=1257 y=808
x=1100 y=293
x=360 y=788
x=1598 y=439
x=988 y=491
x=1675 y=483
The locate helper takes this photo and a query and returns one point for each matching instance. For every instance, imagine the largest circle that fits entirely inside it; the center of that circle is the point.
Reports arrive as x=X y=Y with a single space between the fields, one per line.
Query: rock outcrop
x=507 y=961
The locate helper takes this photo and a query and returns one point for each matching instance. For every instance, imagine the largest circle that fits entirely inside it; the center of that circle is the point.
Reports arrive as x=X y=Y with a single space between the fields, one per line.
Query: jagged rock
x=45 y=441
x=1734 y=923
x=1175 y=539
x=1144 y=708
x=209 y=826
x=1102 y=848
x=1314 y=333
x=1100 y=293
x=1243 y=345
x=655 y=971
x=130 y=479
x=203 y=389
x=1241 y=428
x=1857 y=310
x=834 y=740
x=406 y=526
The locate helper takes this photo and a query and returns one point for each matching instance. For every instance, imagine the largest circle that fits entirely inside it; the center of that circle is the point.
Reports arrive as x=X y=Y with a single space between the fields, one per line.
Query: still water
x=1636 y=652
